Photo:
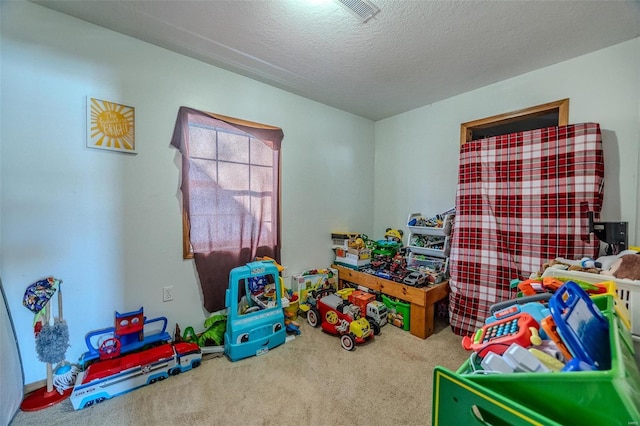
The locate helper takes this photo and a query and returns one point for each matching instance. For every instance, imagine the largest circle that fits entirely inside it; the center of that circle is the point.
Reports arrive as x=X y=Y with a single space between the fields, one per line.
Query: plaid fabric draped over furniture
x=522 y=200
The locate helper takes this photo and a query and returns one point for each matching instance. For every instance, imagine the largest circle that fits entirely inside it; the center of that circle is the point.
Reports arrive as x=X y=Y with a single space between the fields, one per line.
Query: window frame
x=561 y=106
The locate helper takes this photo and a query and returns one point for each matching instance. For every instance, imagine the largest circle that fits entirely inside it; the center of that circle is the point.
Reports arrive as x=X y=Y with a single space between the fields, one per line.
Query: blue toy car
x=255 y=318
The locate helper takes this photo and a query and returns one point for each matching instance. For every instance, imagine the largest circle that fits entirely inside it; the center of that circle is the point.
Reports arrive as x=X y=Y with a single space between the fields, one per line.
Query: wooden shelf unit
x=422 y=299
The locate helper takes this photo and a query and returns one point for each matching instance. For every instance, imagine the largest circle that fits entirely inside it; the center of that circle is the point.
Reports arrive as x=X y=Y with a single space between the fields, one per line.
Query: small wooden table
x=422 y=299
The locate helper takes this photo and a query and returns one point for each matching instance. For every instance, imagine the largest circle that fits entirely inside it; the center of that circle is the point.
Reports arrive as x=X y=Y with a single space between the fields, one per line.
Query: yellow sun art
x=111 y=126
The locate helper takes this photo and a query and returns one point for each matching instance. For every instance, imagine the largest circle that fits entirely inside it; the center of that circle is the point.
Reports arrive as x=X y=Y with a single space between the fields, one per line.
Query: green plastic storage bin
x=399 y=312
x=610 y=397
x=458 y=401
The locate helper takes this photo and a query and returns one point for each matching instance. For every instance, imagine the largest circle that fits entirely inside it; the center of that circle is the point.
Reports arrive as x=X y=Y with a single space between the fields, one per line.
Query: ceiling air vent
x=363 y=9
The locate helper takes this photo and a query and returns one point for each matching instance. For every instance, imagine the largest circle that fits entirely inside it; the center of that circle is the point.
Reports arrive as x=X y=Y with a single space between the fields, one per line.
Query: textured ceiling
x=411 y=54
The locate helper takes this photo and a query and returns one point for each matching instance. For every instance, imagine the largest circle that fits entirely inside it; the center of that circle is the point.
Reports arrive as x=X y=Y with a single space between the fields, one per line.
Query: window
x=540 y=116
x=230 y=192
x=231 y=184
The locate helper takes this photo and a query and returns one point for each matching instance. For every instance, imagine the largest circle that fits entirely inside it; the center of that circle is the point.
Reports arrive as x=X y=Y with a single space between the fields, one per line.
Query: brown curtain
x=230 y=191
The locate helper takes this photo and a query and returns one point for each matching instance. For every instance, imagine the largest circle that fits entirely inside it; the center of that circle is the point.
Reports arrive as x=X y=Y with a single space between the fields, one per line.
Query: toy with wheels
x=336 y=316
x=254 y=325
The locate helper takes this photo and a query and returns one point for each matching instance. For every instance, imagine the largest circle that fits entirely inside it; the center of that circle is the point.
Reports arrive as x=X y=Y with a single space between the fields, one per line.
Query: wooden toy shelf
x=422 y=299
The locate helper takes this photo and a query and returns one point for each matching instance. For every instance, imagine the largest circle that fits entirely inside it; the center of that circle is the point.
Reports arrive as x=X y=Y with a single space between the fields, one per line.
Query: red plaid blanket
x=522 y=199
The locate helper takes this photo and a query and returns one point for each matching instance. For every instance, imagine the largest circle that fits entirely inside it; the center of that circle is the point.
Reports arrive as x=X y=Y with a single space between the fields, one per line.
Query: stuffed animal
x=626 y=266
x=571 y=265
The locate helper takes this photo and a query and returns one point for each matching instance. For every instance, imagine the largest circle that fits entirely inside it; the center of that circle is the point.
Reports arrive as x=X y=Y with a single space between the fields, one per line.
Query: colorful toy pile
x=569 y=333
x=576 y=344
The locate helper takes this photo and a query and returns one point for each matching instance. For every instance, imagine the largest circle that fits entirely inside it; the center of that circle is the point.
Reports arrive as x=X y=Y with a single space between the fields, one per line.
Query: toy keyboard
x=499 y=335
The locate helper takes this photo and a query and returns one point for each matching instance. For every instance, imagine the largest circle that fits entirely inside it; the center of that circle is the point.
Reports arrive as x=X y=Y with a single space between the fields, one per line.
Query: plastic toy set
x=625 y=292
x=124 y=357
x=311 y=281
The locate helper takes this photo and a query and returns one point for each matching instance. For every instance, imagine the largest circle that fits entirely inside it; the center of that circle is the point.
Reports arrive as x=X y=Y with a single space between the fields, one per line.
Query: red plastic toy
x=498 y=336
x=337 y=316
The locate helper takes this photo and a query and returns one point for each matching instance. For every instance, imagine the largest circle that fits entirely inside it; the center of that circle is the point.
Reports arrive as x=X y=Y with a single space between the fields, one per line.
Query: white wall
x=109 y=224
x=417 y=152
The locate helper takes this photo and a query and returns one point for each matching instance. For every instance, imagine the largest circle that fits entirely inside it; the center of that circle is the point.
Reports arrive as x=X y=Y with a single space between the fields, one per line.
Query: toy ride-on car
x=337 y=316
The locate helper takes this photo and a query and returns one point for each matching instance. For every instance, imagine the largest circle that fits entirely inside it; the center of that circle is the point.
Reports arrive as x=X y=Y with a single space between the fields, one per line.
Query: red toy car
x=337 y=316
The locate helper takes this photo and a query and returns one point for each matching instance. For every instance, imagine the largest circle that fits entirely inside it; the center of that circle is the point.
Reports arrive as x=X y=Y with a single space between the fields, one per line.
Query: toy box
x=353 y=254
x=350 y=262
x=343 y=239
x=435 y=267
x=458 y=401
x=581 y=397
x=399 y=312
x=313 y=279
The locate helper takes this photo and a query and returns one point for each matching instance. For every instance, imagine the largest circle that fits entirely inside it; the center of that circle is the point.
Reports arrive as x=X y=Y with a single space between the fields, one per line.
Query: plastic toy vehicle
x=105 y=379
x=384 y=274
x=375 y=311
x=255 y=321
x=337 y=316
x=133 y=353
x=415 y=279
x=132 y=331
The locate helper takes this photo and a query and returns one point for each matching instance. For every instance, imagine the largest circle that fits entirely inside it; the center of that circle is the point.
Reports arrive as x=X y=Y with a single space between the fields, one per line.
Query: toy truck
x=337 y=316
x=105 y=379
x=374 y=310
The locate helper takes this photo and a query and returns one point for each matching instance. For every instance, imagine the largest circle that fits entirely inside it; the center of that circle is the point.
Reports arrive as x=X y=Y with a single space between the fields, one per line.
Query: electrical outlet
x=167 y=294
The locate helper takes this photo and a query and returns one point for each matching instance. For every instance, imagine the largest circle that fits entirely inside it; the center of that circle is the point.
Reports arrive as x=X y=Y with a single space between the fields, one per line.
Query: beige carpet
x=308 y=381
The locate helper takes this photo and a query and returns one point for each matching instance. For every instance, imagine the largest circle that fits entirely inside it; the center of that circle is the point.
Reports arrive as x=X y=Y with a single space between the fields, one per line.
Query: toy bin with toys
x=458 y=401
x=605 y=389
x=399 y=312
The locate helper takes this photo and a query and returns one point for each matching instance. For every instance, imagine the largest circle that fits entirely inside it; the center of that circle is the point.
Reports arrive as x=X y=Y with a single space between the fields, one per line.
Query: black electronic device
x=613 y=234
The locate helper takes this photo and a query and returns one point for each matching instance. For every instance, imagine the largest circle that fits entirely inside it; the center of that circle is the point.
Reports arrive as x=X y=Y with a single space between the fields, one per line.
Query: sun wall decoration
x=110 y=126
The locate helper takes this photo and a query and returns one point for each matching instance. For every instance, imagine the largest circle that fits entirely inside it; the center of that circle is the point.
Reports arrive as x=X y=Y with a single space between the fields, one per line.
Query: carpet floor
x=310 y=380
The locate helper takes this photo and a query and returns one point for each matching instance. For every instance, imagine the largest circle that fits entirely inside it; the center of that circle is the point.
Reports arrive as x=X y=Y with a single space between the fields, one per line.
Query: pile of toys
x=437 y=221
x=125 y=357
x=389 y=261
x=387 y=257
x=430 y=241
x=561 y=329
